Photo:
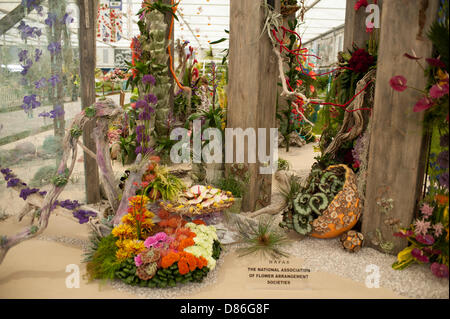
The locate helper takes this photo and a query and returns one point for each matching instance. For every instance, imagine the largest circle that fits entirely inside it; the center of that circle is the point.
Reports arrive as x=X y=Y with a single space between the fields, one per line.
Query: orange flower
x=442 y=199
x=202 y=262
x=199 y=222
x=163 y=214
x=186 y=243
x=169 y=260
x=173 y=222
x=183 y=266
x=192 y=262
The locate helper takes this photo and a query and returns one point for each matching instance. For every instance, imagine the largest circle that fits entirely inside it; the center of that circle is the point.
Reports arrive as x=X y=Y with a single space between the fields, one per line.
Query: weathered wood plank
x=87 y=41
x=355 y=26
x=253 y=89
x=397 y=142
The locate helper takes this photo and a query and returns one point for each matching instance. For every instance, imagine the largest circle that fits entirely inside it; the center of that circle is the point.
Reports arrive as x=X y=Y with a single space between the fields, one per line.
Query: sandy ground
x=37 y=268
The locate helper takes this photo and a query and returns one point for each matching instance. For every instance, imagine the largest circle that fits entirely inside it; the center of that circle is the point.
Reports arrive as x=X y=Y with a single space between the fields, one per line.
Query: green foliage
x=292 y=189
x=283 y=165
x=76 y=132
x=61 y=180
x=43 y=176
x=90 y=111
x=3 y=240
x=230 y=184
x=262 y=238
x=128 y=148
x=439 y=35
x=161 y=7
x=33 y=229
x=102 y=262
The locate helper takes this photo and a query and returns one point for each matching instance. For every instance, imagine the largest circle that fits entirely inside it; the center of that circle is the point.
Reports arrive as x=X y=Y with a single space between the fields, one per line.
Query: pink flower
x=438 y=228
x=437 y=91
x=440 y=271
x=398 y=83
x=161 y=236
x=426 y=210
x=404 y=234
x=421 y=227
x=150 y=242
x=361 y=3
x=138 y=261
x=426 y=240
x=424 y=104
x=419 y=255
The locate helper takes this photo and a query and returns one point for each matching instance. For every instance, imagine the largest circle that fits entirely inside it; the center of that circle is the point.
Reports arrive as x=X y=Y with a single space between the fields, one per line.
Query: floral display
x=155 y=254
x=200 y=200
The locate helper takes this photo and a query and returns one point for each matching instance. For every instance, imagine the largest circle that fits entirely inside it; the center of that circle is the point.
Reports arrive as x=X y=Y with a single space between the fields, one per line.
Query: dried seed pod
x=352 y=241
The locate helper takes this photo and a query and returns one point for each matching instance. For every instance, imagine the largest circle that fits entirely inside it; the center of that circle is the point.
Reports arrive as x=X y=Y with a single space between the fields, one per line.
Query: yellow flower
x=138 y=201
x=128 y=220
x=169 y=206
x=124 y=232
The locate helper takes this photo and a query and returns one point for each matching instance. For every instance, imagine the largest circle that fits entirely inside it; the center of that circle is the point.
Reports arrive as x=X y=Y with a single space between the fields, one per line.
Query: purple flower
x=23 y=54
x=13 y=182
x=30 y=102
x=141 y=104
x=5 y=171
x=54 y=79
x=439 y=270
x=51 y=19
x=426 y=240
x=24 y=193
x=443 y=159
x=67 y=19
x=419 y=255
x=43 y=193
x=151 y=99
x=37 y=55
x=54 y=47
x=44 y=114
x=145 y=116
x=138 y=150
x=42 y=83
x=57 y=112
x=26 y=67
x=83 y=215
x=27 y=31
x=70 y=205
x=149 y=79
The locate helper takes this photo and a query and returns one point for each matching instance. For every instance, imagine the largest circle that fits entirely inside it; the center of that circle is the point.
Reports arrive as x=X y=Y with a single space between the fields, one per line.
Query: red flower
x=436 y=63
x=398 y=83
x=438 y=91
x=361 y=3
x=424 y=104
x=361 y=61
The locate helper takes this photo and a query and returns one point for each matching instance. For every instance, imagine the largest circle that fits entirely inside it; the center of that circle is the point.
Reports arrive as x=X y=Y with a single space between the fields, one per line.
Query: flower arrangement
x=200 y=200
x=428 y=237
x=152 y=254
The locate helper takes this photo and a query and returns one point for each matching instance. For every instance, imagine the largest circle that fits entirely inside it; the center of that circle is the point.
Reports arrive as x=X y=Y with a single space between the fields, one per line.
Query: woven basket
x=343 y=212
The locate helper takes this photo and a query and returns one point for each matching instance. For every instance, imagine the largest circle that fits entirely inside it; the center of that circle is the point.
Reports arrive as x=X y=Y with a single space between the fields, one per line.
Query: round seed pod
x=352 y=241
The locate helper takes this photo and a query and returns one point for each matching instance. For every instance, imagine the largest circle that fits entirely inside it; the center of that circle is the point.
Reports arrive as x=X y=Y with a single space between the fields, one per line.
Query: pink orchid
x=423 y=104
x=398 y=83
x=427 y=210
x=438 y=228
x=421 y=227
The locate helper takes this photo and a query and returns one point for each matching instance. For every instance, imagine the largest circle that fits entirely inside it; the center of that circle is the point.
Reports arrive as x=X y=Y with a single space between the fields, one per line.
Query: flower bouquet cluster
x=200 y=200
x=428 y=237
x=155 y=251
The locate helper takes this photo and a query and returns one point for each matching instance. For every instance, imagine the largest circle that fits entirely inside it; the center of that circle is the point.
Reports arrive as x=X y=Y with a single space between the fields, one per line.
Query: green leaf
x=219 y=41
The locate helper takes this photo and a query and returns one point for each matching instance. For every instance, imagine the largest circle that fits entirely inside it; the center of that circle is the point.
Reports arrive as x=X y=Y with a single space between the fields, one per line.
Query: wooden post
x=168 y=20
x=355 y=26
x=253 y=90
x=397 y=139
x=87 y=38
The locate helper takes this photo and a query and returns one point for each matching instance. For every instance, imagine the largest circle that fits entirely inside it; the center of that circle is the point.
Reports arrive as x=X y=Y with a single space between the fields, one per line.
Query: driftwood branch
x=105 y=111
x=13 y=17
x=354 y=123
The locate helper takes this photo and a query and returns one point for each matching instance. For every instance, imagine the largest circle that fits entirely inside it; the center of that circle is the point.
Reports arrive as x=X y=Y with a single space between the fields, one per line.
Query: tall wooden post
x=253 y=89
x=355 y=26
x=87 y=38
x=168 y=20
x=396 y=169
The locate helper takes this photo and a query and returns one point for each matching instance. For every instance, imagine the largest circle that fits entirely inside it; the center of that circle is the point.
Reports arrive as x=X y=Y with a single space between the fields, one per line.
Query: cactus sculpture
x=157 y=46
x=319 y=192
